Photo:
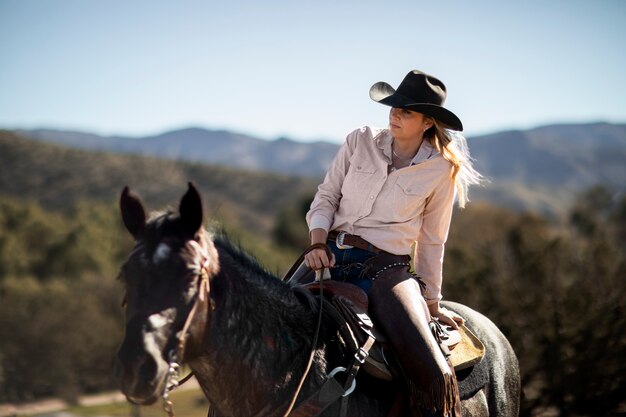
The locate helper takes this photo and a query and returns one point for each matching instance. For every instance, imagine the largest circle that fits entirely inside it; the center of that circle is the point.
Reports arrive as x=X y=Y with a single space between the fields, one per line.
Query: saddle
x=350 y=303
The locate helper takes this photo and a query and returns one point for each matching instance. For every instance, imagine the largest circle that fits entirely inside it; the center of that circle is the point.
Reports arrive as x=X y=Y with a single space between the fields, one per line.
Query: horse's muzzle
x=140 y=380
x=140 y=368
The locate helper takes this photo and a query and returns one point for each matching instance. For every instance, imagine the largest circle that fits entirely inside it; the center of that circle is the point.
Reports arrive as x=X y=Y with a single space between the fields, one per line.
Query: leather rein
x=288 y=275
x=331 y=390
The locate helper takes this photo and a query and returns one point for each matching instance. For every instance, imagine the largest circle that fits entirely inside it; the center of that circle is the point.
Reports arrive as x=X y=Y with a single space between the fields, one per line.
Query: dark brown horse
x=196 y=298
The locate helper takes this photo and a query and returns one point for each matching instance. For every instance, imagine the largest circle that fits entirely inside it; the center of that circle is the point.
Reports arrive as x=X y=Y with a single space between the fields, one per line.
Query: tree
x=557 y=293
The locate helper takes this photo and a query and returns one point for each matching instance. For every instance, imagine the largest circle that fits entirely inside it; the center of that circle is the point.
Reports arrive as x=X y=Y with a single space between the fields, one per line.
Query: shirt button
x=371 y=197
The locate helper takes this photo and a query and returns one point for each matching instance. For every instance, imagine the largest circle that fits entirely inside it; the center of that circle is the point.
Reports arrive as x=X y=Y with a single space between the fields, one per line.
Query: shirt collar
x=424 y=153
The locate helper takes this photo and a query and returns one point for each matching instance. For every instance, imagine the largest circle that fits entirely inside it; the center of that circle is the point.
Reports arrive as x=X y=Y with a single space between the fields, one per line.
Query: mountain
x=543 y=169
x=209 y=146
x=540 y=169
x=566 y=155
x=58 y=177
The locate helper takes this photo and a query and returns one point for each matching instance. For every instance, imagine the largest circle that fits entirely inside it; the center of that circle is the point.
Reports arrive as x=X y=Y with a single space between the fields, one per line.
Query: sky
x=302 y=69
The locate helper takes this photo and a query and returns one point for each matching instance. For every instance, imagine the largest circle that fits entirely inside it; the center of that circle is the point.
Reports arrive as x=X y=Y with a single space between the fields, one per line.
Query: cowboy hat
x=419 y=92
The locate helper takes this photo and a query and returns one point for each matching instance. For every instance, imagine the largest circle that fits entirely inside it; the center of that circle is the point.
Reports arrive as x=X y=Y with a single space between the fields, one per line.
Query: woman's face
x=408 y=124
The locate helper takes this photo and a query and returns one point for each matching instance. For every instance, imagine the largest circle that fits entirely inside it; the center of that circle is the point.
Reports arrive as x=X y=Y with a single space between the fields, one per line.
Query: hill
x=541 y=169
x=57 y=177
x=219 y=147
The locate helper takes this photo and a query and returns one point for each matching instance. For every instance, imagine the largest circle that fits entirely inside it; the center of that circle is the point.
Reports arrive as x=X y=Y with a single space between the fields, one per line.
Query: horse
x=255 y=343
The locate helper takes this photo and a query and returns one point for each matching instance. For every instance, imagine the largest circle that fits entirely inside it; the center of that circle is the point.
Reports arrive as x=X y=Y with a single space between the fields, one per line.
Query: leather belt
x=345 y=240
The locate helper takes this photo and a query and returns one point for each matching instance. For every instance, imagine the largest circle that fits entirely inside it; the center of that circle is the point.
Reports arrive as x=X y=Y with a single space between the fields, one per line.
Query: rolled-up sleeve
x=429 y=248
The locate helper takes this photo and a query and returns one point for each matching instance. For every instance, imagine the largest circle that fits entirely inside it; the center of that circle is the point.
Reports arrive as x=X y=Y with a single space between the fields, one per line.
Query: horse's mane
x=257 y=278
x=243 y=259
x=248 y=262
x=166 y=224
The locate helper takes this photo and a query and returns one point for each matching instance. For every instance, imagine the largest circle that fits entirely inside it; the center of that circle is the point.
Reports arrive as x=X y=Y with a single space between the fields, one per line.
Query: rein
x=291 y=271
x=176 y=354
x=331 y=390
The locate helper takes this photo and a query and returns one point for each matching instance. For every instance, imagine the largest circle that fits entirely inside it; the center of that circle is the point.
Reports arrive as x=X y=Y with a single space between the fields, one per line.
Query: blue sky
x=303 y=69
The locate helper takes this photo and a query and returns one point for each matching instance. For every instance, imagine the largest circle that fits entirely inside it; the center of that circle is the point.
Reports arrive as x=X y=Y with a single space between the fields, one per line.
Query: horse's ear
x=191 y=212
x=133 y=212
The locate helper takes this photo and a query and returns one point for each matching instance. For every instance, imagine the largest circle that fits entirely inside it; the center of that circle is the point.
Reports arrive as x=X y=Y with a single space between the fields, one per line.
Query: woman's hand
x=448 y=317
x=317 y=258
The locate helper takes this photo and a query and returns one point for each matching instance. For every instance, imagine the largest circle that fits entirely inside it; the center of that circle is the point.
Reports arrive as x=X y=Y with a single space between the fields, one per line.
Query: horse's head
x=166 y=277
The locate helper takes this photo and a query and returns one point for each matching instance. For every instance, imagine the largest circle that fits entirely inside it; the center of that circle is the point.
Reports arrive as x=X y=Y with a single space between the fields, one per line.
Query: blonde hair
x=453 y=147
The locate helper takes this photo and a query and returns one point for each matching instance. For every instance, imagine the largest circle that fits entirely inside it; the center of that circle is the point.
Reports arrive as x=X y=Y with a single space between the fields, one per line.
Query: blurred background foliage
x=555 y=289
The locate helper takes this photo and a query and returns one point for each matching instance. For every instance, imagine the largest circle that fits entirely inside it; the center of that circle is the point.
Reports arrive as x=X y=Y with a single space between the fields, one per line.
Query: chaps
x=397 y=305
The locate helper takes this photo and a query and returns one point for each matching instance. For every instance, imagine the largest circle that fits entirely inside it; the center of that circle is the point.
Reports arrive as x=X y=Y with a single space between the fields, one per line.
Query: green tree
x=556 y=291
x=290 y=228
x=26 y=233
x=52 y=337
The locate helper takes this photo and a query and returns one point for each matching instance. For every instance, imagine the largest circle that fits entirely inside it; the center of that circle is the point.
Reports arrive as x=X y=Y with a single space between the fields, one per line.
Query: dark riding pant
x=398 y=307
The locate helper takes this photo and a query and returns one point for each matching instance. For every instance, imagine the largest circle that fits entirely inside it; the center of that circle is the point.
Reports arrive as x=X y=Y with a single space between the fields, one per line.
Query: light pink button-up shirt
x=400 y=212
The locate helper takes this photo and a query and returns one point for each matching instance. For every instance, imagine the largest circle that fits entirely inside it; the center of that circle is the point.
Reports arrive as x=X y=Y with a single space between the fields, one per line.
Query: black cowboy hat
x=419 y=92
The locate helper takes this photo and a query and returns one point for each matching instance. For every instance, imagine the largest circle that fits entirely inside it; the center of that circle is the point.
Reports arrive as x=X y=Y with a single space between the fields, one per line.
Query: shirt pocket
x=358 y=182
x=359 y=175
x=409 y=197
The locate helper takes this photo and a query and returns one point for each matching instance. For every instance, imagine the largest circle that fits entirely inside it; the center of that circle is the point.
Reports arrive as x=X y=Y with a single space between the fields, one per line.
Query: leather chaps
x=398 y=307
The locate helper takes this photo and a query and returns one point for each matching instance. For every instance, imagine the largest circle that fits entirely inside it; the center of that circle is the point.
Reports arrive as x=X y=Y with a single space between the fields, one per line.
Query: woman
x=389 y=194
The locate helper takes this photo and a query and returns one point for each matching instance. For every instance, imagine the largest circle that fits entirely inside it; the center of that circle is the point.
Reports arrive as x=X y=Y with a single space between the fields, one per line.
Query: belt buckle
x=339 y=241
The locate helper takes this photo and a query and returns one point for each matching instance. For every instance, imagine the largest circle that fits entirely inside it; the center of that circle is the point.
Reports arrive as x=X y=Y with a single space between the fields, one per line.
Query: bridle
x=176 y=354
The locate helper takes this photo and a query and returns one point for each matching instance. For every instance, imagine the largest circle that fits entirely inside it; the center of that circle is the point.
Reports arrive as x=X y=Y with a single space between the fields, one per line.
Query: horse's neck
x=259 y=342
